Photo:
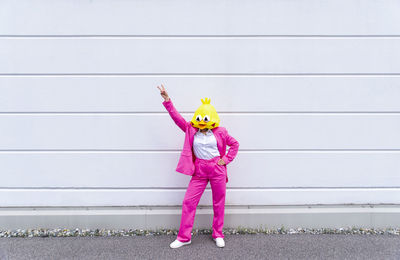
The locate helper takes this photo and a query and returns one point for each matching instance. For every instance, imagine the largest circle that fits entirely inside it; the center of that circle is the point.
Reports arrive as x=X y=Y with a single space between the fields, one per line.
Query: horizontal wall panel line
x=149 y=36
x=208 y=188
x=88 y=113
x=199 y=74
x=248 y=94
x=187 y=18
x=327 y=207
x=362 y=132
x=351 y=206
x=202 y=75
x=250 y=169
x=179 y=150
x=43 y=197
x=258 y=55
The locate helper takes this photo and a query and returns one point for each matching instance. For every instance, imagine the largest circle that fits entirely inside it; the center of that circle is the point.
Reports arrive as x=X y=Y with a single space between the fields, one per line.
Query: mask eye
x=206 y=118
x=198 y=118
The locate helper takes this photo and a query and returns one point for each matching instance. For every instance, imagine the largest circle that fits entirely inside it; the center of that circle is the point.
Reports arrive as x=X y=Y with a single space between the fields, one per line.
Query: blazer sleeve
x=233 y=150
x=175 y=115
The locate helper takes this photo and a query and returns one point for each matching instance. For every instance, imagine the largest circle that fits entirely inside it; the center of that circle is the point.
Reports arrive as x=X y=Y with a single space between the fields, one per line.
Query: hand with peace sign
x=163 y=92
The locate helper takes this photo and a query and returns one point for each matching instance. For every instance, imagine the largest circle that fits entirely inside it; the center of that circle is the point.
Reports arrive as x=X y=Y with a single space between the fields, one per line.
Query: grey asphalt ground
x=255 y=246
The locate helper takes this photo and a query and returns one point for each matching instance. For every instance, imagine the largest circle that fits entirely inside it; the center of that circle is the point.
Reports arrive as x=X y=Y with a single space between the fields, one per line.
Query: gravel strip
x=42 y=232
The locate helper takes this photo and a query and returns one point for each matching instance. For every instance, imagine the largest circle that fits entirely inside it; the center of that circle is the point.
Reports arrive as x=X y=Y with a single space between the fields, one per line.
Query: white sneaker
x=219 y=241
x=178 y=243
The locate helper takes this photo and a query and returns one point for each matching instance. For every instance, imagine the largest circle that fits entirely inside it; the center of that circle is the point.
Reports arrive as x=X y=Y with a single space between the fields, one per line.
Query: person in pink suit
x=204 y=158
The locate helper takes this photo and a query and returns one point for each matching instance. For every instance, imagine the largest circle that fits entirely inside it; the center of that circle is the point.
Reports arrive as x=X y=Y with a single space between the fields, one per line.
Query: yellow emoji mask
x=205 y=116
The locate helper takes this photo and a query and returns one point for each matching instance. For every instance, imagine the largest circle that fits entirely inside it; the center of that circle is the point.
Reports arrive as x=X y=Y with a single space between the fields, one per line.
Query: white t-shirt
x=205 y=145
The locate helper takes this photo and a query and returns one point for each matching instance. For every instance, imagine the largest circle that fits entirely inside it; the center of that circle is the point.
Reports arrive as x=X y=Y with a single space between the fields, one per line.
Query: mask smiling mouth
x=202 y=125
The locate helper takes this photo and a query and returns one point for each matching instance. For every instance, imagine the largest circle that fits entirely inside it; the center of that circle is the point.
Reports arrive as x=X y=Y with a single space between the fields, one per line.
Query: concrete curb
x=154 y=218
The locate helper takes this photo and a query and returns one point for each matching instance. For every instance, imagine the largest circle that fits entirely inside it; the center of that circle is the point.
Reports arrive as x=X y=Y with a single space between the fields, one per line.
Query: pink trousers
x=205 y=170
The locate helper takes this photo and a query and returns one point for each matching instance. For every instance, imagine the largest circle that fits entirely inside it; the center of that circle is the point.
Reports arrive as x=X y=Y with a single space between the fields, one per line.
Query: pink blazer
x=187 y=157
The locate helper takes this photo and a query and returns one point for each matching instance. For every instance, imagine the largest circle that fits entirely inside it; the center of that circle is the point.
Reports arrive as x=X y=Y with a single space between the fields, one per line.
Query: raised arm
x=175 y=115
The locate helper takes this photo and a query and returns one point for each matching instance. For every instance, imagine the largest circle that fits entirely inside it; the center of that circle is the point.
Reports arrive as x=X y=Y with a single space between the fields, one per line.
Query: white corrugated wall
x=310 y=89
